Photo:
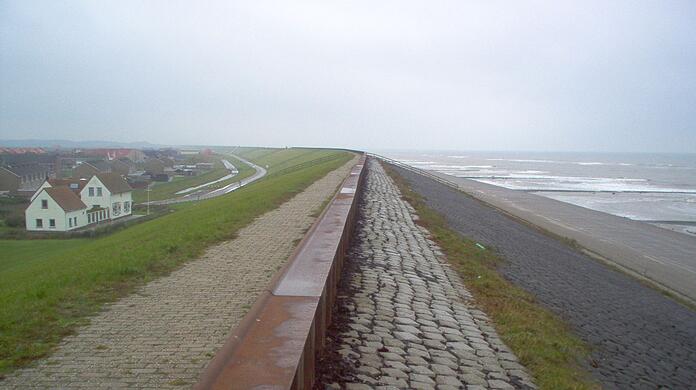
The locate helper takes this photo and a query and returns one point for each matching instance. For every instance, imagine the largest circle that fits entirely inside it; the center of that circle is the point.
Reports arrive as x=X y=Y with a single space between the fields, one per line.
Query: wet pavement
x=403 y=318
x=641 y=339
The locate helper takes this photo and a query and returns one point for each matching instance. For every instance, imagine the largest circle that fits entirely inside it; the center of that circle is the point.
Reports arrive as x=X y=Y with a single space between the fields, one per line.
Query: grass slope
x=48 y=287
x=543 y=342
x=160 y=191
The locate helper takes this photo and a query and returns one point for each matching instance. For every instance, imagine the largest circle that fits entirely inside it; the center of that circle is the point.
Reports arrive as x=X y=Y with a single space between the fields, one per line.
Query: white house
x=107 y=193
x=56 y=209
x=64 y=205
x=75 y=185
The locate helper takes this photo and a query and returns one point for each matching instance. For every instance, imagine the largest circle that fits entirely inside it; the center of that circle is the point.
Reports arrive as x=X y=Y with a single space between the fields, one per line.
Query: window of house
x=126 y=207
x=70 y=222
x=89 y=218
x=44 y=203
x=75 y=223
x=52 y=223
x=99 y=191
x=91 y=191
x=116 y=208
x=39 y=223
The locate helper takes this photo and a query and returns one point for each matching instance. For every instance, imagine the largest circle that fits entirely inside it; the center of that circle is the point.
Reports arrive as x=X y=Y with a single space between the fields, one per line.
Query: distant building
x=22 y=150
x=9 y=181
x=121 y=167
x=168 y=162
x=155 y=166
x=23 y=178
x=134 y=155
x=204 y=166
x=85 y=170
x=72 y=204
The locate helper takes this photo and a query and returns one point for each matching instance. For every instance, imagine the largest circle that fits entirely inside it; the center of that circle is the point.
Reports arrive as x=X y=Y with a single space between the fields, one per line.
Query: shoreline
x=628 y=324
x=660 y=255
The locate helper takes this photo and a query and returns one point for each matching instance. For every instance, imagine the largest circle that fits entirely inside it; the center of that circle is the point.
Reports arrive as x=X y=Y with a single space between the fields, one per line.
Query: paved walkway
x=640 y=339
x=203 y=194
x=164 y=335
x=231 y=168
x=403 y=317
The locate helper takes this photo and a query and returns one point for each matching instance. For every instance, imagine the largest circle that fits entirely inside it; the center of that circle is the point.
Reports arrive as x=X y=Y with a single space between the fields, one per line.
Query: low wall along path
x=404 y=317
x=164 y=335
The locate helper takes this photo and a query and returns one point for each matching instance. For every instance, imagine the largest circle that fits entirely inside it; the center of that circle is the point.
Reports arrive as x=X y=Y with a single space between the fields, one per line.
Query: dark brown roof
x=65 y=198
x=90 y=165
x=101 y=165
x=114 y=182
x=76 y=185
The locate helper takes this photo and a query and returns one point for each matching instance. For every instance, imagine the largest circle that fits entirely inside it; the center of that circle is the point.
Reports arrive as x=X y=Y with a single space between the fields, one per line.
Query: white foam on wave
x=416 y=162
x=572 y=183
x=529 y=172
x=584 y=163
x=523 y=160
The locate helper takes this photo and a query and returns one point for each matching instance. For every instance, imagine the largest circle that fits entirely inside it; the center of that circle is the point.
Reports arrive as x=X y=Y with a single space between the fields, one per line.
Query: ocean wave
x=524 y=160
x=570 y=183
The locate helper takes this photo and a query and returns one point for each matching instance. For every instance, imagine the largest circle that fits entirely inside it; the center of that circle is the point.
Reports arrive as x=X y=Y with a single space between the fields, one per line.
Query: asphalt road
x=641 y=339
x=663 y=256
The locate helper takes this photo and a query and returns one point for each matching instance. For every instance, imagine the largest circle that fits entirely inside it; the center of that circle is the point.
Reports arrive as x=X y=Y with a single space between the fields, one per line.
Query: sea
x=657 y=188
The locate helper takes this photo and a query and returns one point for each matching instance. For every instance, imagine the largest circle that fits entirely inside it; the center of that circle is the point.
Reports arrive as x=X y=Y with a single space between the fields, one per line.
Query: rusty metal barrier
x=277 y=344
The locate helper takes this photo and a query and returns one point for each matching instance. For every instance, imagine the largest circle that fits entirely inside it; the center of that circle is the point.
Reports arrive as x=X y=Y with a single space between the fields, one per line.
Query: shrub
x=15 y=221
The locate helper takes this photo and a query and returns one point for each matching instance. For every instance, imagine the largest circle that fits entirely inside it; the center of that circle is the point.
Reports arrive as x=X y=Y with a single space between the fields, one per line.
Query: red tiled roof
x=73 y=184
x=114 y=182
x=66 y=199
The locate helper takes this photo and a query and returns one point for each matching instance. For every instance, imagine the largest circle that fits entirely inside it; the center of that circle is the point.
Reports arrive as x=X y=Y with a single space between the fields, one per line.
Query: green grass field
x=281 y=160
x=160 y=191
x=542 y=341
x=48 y=287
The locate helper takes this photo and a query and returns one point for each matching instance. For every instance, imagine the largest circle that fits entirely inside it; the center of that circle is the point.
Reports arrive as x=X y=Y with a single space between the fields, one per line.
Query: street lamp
x=148 y=197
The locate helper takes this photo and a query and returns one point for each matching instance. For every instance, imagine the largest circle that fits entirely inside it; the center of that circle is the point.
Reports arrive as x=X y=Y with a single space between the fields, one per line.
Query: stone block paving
x=403 y=318
x=163 y=335
x=639 y=338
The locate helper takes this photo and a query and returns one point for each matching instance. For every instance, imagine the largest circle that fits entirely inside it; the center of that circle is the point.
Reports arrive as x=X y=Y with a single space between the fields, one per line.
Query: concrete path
x=663 y=256
x=164 y=335
x=640 y=339
x=260 y=172
x=405 y=318
x=228 y=165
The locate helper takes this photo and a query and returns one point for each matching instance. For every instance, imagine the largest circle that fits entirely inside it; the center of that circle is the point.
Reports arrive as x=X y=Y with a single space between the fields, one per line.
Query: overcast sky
x=487 y=75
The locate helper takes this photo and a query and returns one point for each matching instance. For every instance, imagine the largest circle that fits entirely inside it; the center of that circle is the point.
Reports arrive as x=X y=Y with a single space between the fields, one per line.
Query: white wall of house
x=63 y=221
x=95 y=194
x=118 y=205
x=100 y=196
